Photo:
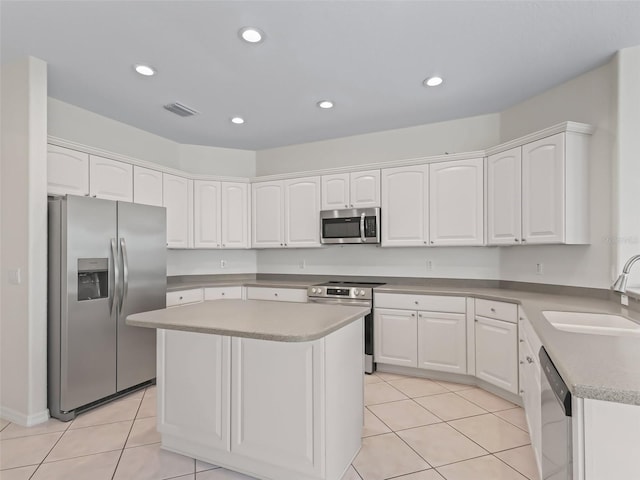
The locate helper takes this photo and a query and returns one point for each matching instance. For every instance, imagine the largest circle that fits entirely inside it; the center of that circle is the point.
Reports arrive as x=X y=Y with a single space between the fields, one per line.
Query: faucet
x=620 y=285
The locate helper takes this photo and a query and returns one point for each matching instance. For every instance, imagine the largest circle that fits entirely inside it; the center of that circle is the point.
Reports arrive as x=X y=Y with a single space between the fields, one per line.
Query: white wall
x=463 y=135
x=201 y=262
x=589 y=98
x=627 y=172
x=360 y=260
x=23 y=240
x=230 y=162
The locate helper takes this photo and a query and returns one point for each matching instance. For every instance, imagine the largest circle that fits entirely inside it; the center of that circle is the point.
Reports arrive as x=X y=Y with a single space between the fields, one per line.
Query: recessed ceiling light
x=432 y=81
x=145 y=70
x=251 y=34
x=325 y=104
x=237 y=120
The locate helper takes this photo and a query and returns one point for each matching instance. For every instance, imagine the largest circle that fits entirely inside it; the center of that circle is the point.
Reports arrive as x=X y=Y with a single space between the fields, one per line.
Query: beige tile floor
x=415 y=429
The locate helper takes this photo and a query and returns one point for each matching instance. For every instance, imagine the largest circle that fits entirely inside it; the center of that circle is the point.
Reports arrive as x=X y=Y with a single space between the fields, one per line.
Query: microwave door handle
x=362 y=236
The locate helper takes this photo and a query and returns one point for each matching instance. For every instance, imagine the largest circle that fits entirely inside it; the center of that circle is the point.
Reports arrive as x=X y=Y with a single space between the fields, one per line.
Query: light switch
x=15 y=276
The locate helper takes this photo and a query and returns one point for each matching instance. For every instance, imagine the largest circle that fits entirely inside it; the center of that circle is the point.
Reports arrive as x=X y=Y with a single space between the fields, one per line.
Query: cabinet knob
x=217 y=245
x=521 y=341
x=86 y=194
x=521 y=362
x=181 y=298
x=476 y=320
x=416 y=302
x=516 y=240
x=346 y=206
x=413 y=314
x=222 y=294
x=94 y=196
x=524 y=239
x=285 y=244
x=431 y=241
x=493 y=310
x=282 y=244
x=425 y=242
x=275 y=294
x=351 y=206
x=522 y=319
x=521 y=391
x=529 y=359
x=223 y=245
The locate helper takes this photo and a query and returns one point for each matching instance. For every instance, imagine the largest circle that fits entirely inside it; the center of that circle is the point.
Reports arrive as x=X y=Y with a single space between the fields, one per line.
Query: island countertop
x=260 y=319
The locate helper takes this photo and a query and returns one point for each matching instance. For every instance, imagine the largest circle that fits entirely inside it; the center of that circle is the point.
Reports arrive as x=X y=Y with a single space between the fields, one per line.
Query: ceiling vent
x=180 y=109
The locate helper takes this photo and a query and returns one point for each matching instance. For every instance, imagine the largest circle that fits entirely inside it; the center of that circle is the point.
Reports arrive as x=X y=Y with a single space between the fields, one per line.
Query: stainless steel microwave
x=353 y=225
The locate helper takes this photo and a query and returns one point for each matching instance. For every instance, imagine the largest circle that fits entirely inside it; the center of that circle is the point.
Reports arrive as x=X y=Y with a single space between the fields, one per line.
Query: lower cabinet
x=497 y=346
x=277 y=294
x=433 y=337
x=394 y=336
x=184 y=297
x=286 y=410
x=223 y=293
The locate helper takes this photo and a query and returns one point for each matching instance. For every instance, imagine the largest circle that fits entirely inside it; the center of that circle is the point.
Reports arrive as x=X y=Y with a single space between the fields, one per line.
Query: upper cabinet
x=178 y=200
x=110 y=179
x=538 y=193
x=147 y=186
x=234 y=216
x=206 y=214
x=351 y=190
x=221 y=214
x=405 y=212
x=456 y=202
x=67 y=171
x=286 y=213
x=504 y=199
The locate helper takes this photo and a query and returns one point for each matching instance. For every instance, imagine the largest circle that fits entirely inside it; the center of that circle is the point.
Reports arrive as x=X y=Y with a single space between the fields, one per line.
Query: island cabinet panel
x=201 y=416
x=273 y=417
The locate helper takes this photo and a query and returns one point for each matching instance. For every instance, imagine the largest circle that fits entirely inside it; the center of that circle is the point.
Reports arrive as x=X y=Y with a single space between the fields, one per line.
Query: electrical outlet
x=302 y=264
x=539 y=268
x=223 y=263
x=429 y=265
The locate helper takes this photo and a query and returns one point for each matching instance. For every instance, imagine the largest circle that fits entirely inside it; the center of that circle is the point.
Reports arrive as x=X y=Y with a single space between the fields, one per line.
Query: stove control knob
x=315 y=290
x=362 y=293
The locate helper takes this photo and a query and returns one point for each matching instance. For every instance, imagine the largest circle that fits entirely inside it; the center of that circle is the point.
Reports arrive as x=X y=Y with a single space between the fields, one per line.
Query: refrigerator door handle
x=115 y=273
x=125 y=273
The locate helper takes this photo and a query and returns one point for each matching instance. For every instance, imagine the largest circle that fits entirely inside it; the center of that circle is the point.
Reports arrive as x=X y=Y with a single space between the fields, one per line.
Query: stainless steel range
x=350 y=293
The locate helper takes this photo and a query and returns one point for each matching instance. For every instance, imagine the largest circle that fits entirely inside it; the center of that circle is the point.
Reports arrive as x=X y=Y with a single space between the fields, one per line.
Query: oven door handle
x=362 y=232
x=340 y=301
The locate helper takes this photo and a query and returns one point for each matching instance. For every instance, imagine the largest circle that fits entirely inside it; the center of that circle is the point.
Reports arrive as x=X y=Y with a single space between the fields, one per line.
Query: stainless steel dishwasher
x=557 y=445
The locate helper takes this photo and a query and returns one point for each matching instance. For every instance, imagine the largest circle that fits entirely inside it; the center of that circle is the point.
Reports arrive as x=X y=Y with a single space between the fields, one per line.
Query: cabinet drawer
x=183 y=297
x=507 y=312
x=277 y=294
x=222 y=293
x=429 y=303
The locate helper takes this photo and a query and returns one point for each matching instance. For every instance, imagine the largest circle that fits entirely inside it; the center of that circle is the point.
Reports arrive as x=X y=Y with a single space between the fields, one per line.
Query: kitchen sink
x=594 y=323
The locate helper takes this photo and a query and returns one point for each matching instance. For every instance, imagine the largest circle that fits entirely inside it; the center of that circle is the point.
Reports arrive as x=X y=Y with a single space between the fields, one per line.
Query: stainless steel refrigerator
x=107 y=260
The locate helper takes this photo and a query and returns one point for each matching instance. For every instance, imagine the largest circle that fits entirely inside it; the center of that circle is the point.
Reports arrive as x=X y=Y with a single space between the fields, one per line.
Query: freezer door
x=87 y=322
x=142 y=240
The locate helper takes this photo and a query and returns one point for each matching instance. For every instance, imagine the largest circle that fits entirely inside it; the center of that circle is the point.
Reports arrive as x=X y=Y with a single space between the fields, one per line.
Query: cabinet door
x=442 y=341
x=394 y=337
x=235 y=215
x=202 y=417
x=543 y=190
x=405 y=213
x=298 y=295
x=267 y=228
x=302 y=212
x=365 y=189
x=147 y=186
x=504 y=202
x=456 y=202
x=223 y=293
x=67 y=171
x=184 y=297
x=110 y=179
x=206 y=214
x=335 y=191
x=277 y=403
x=497 y=353
x=178 y=200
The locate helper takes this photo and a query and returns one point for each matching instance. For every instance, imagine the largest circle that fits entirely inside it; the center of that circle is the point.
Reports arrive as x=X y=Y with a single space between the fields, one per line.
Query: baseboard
x=24 y=420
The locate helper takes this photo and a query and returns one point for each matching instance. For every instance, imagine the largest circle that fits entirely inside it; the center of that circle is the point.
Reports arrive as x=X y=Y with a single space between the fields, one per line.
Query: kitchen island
x=270 y=389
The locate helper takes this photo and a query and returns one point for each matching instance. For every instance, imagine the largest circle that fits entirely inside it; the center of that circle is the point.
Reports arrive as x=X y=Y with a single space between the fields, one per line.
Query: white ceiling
x=369 y=57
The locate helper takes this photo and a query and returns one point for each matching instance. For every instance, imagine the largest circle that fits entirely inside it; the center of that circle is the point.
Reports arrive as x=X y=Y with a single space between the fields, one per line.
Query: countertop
x=601 y=367
x=260 y=319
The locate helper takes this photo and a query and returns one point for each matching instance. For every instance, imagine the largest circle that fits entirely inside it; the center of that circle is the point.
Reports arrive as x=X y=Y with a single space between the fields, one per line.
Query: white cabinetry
x=277 y=294
x=456 y=202
x=538 y=193
x=424 y=331
x=206 y=212
x=67 y=171
x=184 y=297
x=504 y=199
x=204 y=373
x=223 y=293
x=286 y=213
x=178 y=200
x=530 y=383
x=110 y=179
x=147 y=186
x=235 y=215
x=405 y=195
x=221 y=214
x=351 y=190
x=497 y=344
